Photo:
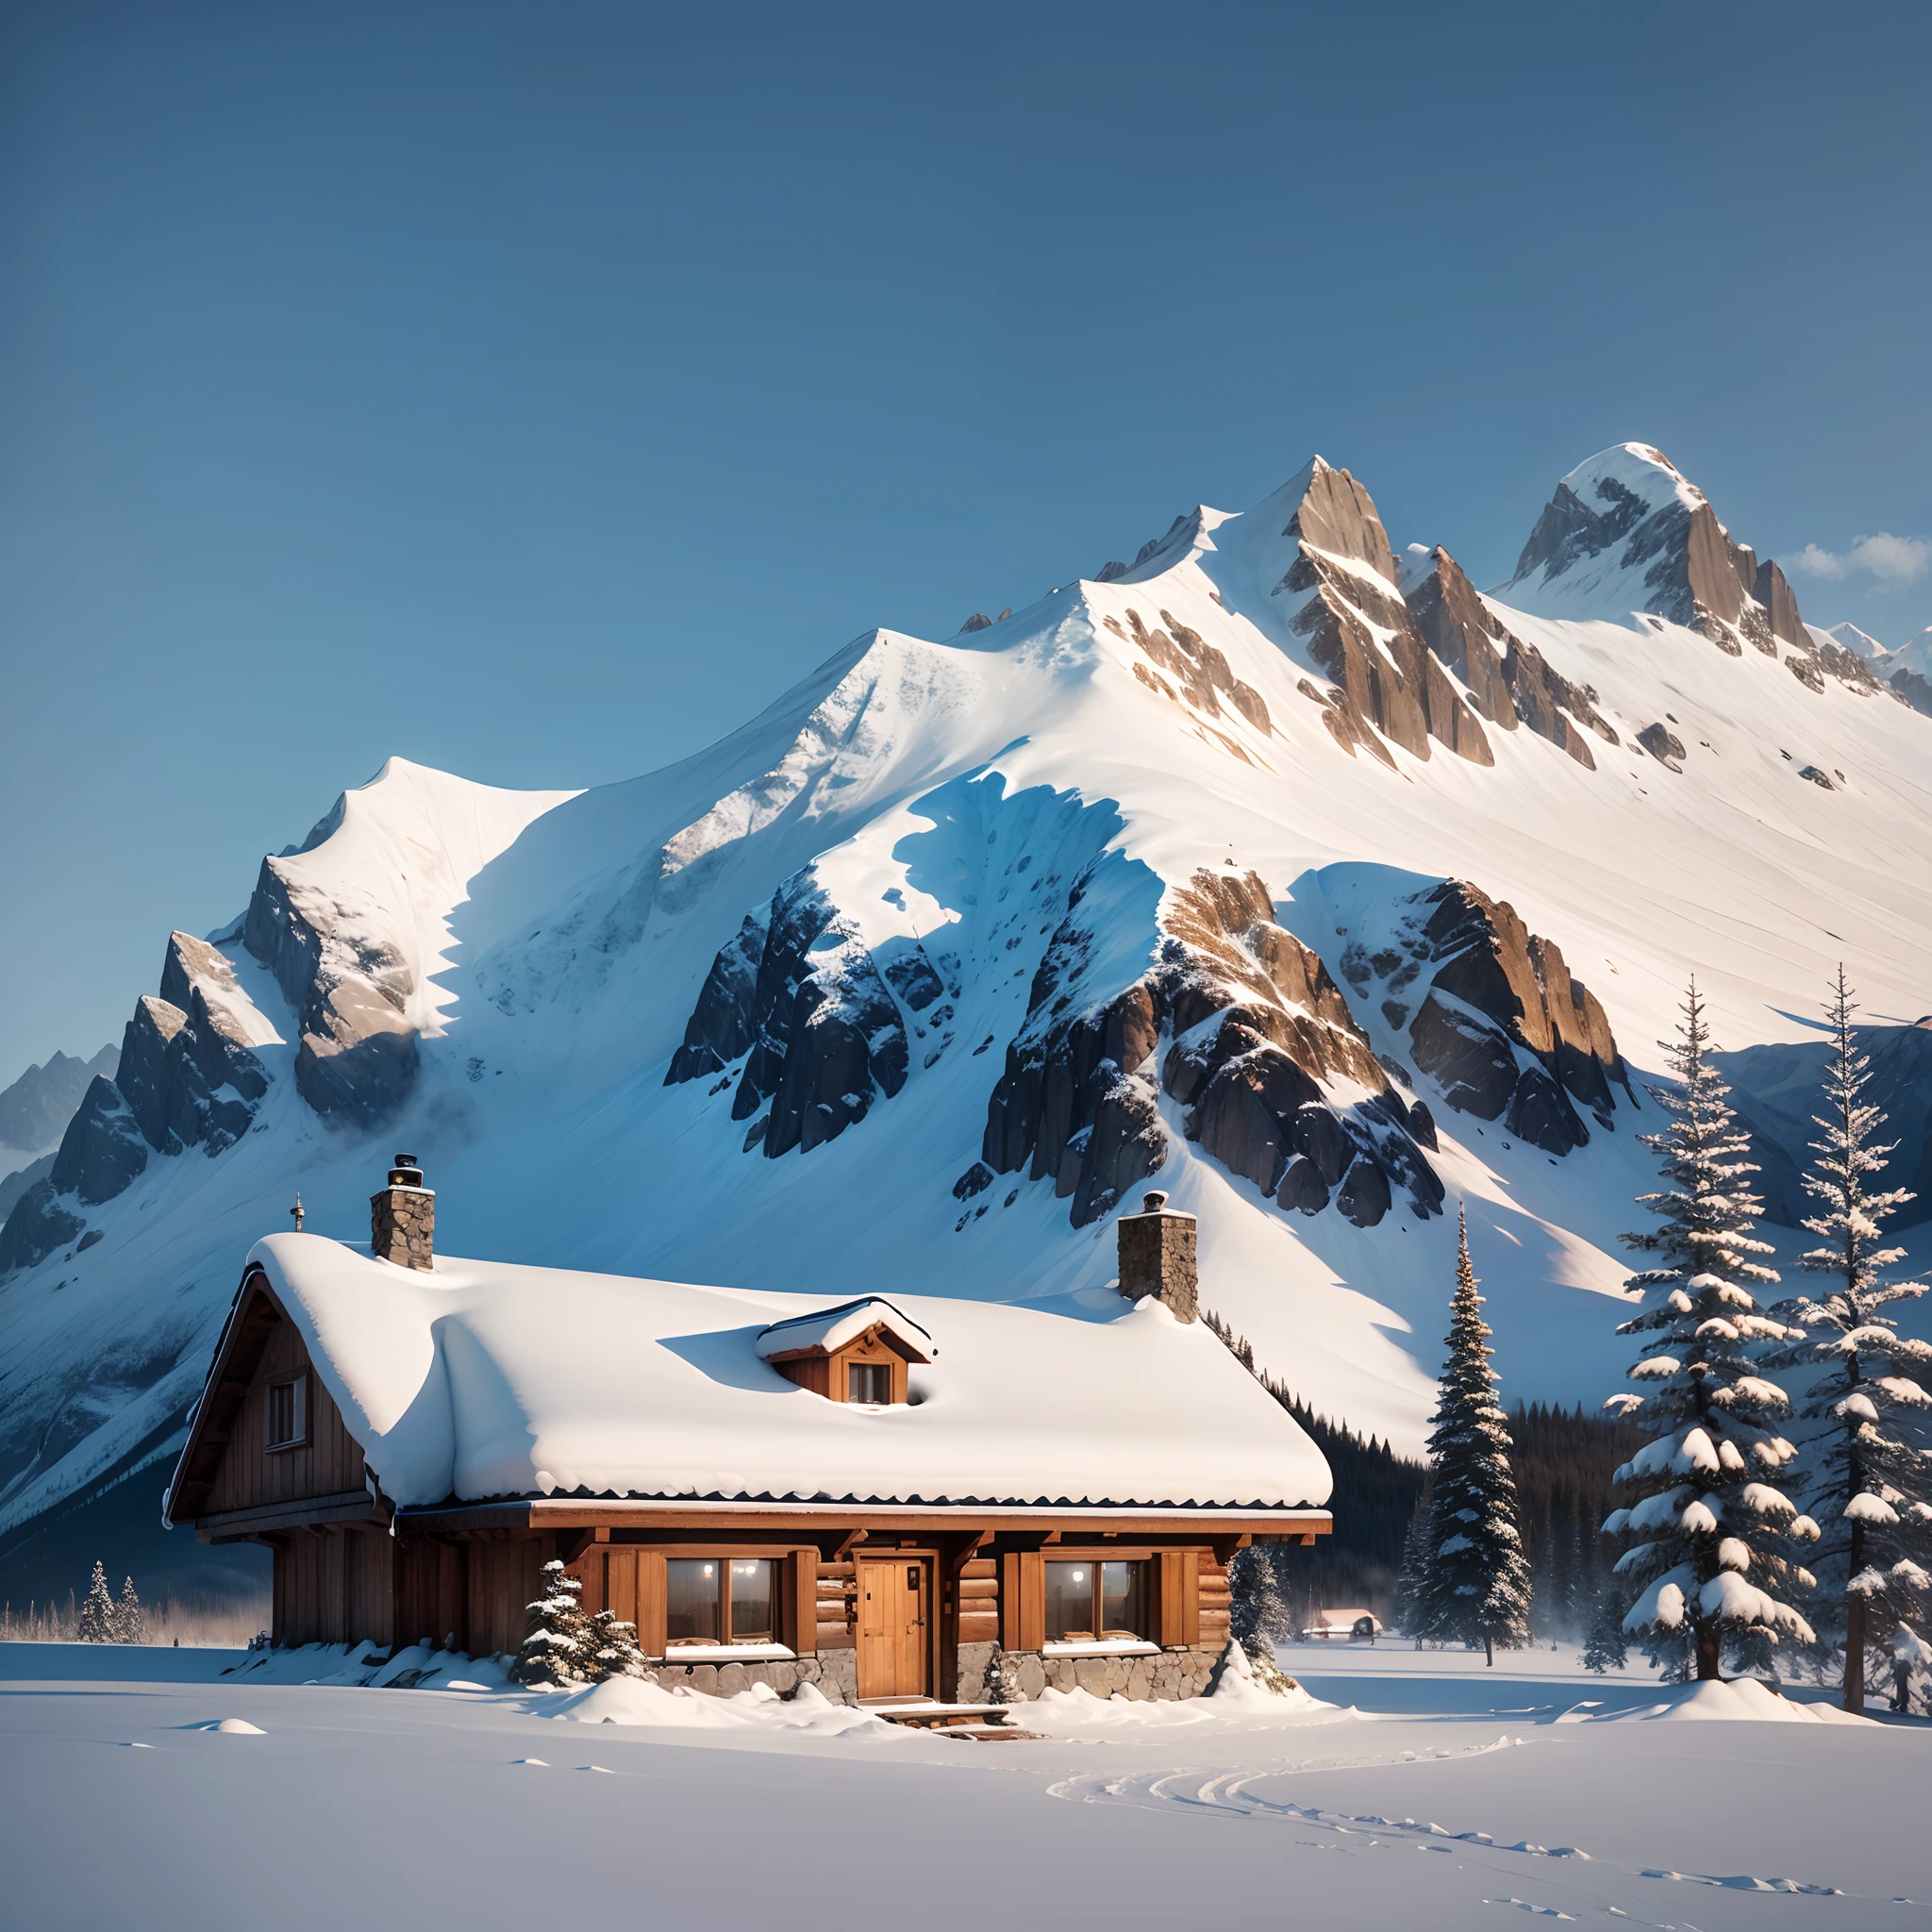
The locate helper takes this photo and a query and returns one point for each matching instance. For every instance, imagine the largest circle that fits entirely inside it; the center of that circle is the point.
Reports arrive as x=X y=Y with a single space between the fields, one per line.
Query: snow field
x=1445 y=1794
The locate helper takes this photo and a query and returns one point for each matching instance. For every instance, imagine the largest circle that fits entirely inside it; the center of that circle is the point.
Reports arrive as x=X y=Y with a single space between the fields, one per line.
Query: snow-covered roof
x=484 y=1380
x=832 y=1329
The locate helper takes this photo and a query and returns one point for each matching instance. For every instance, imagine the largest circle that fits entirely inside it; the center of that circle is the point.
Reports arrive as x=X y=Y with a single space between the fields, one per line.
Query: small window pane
x=1123 y=1600
x=285 y=1417
x=869 y=1382
x=1068 y=1602
x=693 y=1592
x=754 y=1602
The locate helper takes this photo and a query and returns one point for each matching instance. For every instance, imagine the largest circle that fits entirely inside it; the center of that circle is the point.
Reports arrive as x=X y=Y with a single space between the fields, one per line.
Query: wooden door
x=894 y=1602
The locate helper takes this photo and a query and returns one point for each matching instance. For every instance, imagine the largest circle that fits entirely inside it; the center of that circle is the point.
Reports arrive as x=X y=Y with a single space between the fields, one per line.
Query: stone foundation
x=974 y=1660
x=834 y=1672
x=1165 y=1677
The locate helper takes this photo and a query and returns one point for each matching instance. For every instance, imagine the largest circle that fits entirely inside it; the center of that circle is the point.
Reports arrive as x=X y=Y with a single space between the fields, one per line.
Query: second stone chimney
x=402 y=1217
x=1157 y=1256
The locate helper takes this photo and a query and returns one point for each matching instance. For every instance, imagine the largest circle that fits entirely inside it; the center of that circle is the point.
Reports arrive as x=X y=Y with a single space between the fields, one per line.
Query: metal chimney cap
x=406 y=1161
x=1153 y=1201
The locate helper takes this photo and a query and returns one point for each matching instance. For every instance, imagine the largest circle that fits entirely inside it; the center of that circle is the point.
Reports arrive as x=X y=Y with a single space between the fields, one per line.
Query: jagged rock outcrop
x=1201 y=675
x=187 y=1077
x=38 y=1224
x=358 y=1058
x=1257 y=1030
x=718 y=1030
x=1359 y=631
x=187 y=1066
x=1509 y=681
x=104 y=1148
x=1780 y=607
x=816 y=1017
x=1502 y=1028
x=1663 y=744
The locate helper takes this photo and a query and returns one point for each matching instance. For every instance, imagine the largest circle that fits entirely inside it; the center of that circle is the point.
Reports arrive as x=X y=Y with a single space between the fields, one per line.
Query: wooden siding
x=328 y=1462
x=838 y=1613
x=334 y=1585
x=978 y=1600
x=1212 y=1600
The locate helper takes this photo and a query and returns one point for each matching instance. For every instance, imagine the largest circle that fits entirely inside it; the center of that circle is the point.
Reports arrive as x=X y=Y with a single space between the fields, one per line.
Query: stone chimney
x=1157 y=1256
x=402 y=1219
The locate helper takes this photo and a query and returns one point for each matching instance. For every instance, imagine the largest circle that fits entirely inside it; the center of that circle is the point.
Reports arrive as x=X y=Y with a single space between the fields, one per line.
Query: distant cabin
x=866 y=1494
x=1354 y=1627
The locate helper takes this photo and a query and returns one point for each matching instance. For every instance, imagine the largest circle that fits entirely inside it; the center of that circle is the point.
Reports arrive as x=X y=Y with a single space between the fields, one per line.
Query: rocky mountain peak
x=1384 y=684
x=1626 y=531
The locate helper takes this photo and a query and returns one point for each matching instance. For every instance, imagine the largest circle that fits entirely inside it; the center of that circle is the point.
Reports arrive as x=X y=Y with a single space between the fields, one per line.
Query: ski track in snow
x=1232 y=1794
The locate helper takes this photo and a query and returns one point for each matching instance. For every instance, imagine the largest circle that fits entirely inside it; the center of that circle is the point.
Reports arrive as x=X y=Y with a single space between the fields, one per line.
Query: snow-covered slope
x=1321 y=885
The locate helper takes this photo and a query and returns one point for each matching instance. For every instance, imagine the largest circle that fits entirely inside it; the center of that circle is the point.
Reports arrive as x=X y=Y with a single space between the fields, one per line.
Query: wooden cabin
x=867 y=1494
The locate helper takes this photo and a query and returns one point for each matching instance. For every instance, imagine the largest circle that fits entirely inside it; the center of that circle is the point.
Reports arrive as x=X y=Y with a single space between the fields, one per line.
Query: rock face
x=36 y=1108
x=187 y=1077
x=1509 y=681
x=1663 y=744
x=358 y=1059
x=1502 y=1028
x=103 y=1150
x=1385 y=684
x=719 y=1029
x=815 y=1015
x=1257 y=1030
x=1200 y=674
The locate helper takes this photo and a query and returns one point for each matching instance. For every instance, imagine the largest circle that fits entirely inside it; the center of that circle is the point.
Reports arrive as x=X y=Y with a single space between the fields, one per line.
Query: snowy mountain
x=1319 y=884
x=1860 y=643
x=35 y=1110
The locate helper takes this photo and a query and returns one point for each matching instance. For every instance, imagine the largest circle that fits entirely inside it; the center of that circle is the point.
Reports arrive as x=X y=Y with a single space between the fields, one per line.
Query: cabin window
x=1095 y=1602
x=288 y=1413
x=869 y=1382
x=721 y=1600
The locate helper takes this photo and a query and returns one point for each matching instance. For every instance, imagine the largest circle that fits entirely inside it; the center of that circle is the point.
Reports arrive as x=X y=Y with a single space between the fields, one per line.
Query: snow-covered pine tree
x=1412 y=1579
x=1258 y=1616
x=130 y=1621
x=1715 y=1573
x=1868 y=1490
x=96 y=1621
x=557 y=1647
x=613 y=1646
x=1475 y=1586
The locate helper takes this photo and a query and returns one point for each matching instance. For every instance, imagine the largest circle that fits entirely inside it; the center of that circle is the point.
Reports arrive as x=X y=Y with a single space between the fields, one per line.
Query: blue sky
x=536 y=391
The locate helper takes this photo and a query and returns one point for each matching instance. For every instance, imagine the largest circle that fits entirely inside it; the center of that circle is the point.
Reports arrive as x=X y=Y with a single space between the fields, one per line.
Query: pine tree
x=1412 y=1580
x=1604 y=1648
x=1716 y=1572
x=1258 y=1616
x=559 y=1646
x=1868 y=1490
x=130 y=1622
x=613 y=1648
x=96 y=1621
x=1476 y=1586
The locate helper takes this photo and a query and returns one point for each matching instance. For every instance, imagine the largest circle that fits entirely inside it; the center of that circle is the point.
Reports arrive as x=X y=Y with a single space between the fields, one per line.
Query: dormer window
x=856 y=1353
